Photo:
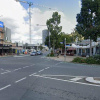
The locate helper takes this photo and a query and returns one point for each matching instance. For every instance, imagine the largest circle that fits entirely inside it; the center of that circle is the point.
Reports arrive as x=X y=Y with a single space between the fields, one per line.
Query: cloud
x=79 y=2
x=15 y=15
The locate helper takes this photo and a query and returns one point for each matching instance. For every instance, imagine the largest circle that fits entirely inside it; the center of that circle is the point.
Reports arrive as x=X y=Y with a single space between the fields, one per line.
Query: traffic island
x=94 y=80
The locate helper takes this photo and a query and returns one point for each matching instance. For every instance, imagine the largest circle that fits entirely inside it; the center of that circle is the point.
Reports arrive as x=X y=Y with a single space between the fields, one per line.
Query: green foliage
x=93 y=60
x=41 y=47
x=51 y=54
x=55 y=30
x=89 y=19
x=89 y=60
x=79 y=60
x=75 y=35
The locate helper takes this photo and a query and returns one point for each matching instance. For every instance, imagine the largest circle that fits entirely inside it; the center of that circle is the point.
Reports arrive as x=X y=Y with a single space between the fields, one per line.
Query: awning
x=71 y=48
x=4 y=47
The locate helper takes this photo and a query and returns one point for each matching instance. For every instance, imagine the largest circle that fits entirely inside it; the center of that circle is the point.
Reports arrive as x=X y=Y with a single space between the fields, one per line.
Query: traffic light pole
x=65 y=50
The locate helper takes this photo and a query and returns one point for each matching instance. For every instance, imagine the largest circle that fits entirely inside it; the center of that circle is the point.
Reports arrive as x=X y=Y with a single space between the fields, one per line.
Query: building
x=1 y=32
x=5 y=39
x=45 y=33
x=7 y=35
x=83 y=48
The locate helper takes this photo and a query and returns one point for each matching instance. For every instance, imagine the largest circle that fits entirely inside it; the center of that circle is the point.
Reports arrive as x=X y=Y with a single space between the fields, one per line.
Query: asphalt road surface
x=39 y=78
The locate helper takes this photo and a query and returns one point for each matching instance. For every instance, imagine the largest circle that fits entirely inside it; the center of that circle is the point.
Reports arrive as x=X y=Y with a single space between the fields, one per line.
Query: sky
x=15 y=16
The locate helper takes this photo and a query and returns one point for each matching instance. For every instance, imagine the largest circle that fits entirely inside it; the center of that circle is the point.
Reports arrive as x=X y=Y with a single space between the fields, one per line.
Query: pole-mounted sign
x=1 y=24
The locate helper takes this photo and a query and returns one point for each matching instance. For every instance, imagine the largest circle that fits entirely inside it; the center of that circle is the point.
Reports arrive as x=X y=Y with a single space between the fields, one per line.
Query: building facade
x=5 y=39
x=45 y=33
x=7 y=35
x=83 y=48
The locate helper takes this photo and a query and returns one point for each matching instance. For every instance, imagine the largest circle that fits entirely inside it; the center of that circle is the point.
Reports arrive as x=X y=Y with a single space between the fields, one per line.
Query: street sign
x=1 y=24
x=61 y=42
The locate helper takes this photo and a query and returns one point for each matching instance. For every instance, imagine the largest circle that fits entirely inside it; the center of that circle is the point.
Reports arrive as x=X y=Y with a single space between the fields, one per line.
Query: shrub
x=79 y=60
x=89 y=60
x=93 y=60
x=51 y=54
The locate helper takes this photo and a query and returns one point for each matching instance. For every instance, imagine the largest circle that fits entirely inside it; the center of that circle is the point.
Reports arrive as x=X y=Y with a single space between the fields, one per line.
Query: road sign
x=1 y=24
x=61 y=42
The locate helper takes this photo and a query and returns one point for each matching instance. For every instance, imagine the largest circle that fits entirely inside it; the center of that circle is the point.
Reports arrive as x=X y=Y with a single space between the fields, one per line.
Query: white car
x=33 y=54
x=39 y=52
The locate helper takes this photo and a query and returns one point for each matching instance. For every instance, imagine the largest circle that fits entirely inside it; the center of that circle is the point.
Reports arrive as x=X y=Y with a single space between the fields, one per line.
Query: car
x=33 y=54
x=39 y=52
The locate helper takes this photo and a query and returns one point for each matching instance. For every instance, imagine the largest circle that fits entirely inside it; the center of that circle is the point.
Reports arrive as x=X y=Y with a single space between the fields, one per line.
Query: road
x=39 y=78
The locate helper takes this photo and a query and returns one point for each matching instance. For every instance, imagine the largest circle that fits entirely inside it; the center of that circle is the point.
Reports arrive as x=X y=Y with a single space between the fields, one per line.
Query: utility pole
x=49 y=43
x=65 y=50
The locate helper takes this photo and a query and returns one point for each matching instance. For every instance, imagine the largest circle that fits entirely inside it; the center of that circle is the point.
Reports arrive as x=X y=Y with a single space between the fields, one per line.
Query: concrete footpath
x=62 y=58
x=93 y=80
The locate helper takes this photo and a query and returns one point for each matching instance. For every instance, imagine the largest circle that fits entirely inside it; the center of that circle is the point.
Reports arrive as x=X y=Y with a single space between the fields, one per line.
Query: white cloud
x=79 y=2
x=14 y=18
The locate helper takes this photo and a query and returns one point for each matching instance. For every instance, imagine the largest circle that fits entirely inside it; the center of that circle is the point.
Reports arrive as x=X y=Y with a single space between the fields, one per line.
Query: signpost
x=1 y=24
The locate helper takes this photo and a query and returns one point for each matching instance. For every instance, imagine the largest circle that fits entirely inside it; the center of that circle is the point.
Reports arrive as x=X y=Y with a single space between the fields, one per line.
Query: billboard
x=1 y=24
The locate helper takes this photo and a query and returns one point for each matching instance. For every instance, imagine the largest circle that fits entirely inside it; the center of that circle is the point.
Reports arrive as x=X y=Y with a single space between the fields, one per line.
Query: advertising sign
x=68 y=45
x=1 y=24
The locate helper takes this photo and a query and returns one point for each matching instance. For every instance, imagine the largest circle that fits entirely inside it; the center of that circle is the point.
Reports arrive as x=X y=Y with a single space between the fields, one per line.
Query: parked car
x=33 y=54
x=39 y=52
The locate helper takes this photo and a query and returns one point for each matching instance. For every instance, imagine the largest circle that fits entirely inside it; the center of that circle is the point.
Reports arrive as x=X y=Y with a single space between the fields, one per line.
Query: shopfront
x=5 y=49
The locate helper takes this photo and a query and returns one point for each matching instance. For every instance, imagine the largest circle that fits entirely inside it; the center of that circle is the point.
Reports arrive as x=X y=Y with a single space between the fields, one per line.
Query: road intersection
x=39 y=78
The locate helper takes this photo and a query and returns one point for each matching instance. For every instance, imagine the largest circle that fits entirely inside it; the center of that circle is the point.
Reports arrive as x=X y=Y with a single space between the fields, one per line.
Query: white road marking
x=65 y=75
x=31 y=65
x=20 y=80
x=17 y=69
x=32 y=74
x=47 y=67
x=41 y=70
x=2 y=69
x=5 y=87
x=67 y=81
x=5 y=72
x=25 y=66
x=18 y=56
x=75 y=79
x=58 y=63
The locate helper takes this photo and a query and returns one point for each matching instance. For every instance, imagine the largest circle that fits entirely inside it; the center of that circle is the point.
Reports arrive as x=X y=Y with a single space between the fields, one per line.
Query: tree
x=40 y=47
x=54 y=29
x=89 y=20
x=75 y=35
x=62 y=39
